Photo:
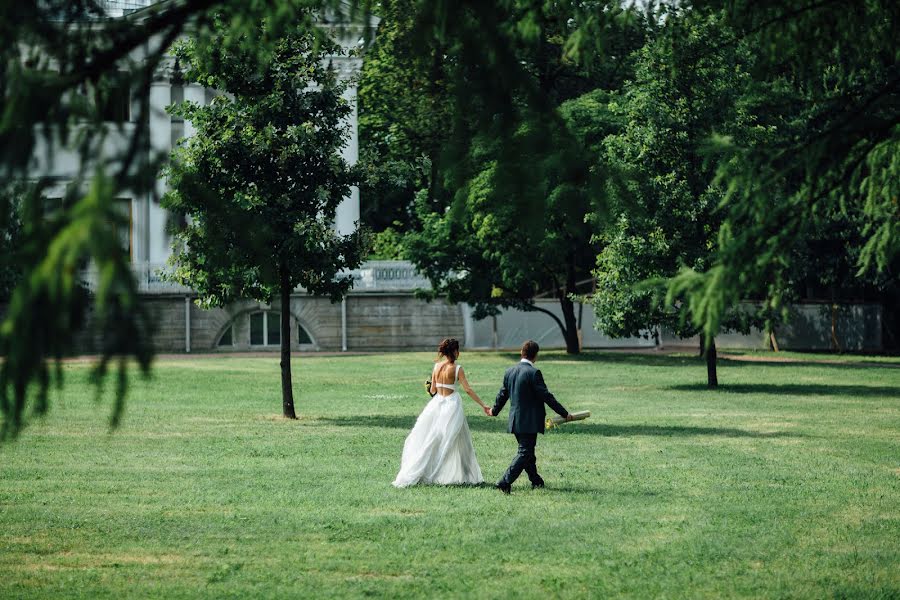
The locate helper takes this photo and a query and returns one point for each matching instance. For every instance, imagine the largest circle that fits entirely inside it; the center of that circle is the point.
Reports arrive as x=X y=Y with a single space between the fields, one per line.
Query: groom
x=524 y=385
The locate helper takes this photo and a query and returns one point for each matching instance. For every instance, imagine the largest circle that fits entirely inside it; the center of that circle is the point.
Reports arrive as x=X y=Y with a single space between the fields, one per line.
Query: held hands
x=487 y=410
x=569 y=417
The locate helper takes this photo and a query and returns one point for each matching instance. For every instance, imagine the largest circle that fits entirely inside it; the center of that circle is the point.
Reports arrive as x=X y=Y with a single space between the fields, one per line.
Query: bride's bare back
x=444 y=376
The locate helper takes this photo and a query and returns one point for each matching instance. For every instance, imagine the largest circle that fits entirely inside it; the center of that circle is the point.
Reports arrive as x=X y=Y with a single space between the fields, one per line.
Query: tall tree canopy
x=262 y=178
x=829 y=74
x=405 y=115
x=662 y=216
x=502 y=219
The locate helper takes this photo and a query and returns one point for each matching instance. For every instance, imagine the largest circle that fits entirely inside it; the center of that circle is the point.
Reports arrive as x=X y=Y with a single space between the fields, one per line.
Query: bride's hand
x=487 y=410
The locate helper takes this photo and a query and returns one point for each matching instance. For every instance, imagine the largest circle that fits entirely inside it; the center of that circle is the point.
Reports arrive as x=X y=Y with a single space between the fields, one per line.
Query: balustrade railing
x=372 y=276
x=388 y=276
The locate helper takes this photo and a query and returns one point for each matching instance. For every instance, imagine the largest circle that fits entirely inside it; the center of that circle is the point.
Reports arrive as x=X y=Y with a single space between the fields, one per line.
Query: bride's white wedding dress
x=439 y=448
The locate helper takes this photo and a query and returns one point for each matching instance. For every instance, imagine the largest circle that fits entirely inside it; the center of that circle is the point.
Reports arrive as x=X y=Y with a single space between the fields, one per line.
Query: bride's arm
x=469 y=390
x=434 y=380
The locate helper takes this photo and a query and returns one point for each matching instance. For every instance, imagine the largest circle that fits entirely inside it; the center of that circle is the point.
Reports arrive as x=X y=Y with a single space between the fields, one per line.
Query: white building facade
x=149 y=243
x=382 y=312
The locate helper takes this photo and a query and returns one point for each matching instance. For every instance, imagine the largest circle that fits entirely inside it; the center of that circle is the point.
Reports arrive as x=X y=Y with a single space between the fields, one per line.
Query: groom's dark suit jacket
x=524 y=387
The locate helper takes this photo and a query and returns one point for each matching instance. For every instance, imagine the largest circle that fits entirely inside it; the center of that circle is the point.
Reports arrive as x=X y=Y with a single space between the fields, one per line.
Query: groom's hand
x=569 y=417
x=488 y=411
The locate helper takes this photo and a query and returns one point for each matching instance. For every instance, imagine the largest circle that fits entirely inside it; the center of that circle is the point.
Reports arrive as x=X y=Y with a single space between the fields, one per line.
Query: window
x=227 y=338
x=257 y=329
x=273 y=330
x=303 y=336
x=51 y=206
x=265 y=329
x=114 y=101
x=54 y=206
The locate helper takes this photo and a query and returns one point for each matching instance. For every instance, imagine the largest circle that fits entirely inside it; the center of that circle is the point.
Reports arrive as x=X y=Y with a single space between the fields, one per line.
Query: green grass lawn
x=784 y=483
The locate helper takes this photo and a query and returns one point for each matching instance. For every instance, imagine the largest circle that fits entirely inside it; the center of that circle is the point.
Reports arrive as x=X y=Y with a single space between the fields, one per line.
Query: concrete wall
x=857 y=326
x=399 y=321
x=515 y=326
x=374 y=322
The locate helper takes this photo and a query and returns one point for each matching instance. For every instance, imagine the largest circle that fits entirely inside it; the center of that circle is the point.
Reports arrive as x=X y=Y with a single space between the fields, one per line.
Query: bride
x=439 y=448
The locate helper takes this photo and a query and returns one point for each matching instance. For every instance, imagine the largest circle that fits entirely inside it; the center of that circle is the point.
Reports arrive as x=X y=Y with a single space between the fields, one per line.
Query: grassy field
x=784 y=483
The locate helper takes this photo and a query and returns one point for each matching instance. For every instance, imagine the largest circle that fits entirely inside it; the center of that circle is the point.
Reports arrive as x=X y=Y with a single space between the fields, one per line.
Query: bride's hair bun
x=449 y=347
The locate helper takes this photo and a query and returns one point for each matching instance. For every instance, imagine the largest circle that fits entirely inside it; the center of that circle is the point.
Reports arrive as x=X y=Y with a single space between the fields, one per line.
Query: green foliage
x=48 y=305
x=443 y=77
x=405 y=109
x=817 y=119
x=506 y=219
x=509 y=235
x=824 y=96
x=826 y=85
x=261 y=180
x=664 y=218
x=11 y=199
x=59 y=63
x=388 y=244
x=781 y=484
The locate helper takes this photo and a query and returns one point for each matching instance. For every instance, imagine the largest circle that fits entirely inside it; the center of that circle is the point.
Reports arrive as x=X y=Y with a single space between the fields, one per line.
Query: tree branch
x=104 y=60
x=535 y=308
x=786 y=16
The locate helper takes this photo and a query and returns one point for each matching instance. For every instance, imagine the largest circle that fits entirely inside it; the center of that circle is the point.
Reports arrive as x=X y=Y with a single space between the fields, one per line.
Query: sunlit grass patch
x=785 y=482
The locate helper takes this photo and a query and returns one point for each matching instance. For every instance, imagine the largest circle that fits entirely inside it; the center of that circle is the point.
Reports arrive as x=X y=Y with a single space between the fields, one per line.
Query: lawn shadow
x=599 y=429
x=524 y=487
x=650 y=359
x=794 y=389
x=739 y=361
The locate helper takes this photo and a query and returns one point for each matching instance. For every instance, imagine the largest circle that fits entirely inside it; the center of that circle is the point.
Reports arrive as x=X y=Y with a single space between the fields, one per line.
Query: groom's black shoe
x=504 y=487
x=536 y=485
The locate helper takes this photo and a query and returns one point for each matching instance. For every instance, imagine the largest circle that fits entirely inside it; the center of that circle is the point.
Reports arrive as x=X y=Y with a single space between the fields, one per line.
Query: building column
x=347 y=215
x=157 y=240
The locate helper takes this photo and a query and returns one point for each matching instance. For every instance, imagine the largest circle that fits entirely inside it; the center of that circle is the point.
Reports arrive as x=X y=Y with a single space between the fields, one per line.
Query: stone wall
x=400 y=321
x=858 y=328
x=374 y=322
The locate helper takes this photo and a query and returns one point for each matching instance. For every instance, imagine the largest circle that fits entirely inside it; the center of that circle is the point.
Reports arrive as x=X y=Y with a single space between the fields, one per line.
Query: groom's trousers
x=525 y=460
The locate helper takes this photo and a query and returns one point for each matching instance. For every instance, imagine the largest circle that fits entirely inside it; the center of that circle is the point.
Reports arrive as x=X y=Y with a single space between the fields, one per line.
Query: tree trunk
x=712 y=381
x=570 y=331
x=287 y=390
x=835 y=346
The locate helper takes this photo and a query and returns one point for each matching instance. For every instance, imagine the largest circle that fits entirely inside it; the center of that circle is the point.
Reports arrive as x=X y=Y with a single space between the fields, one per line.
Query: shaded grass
x=783 y=483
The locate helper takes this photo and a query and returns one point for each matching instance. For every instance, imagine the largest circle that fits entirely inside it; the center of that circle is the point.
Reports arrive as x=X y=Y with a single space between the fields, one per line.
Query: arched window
x=265 y=328
x=227 y=338
x=303 y=336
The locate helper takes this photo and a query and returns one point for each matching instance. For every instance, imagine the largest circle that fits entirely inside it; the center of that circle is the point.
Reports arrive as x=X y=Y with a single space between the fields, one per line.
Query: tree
x=507 y=222
x=827 y=80
x=843 y=57
x=261 y=180
x=504 y=241
x=60 y=62
x=687 y=86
